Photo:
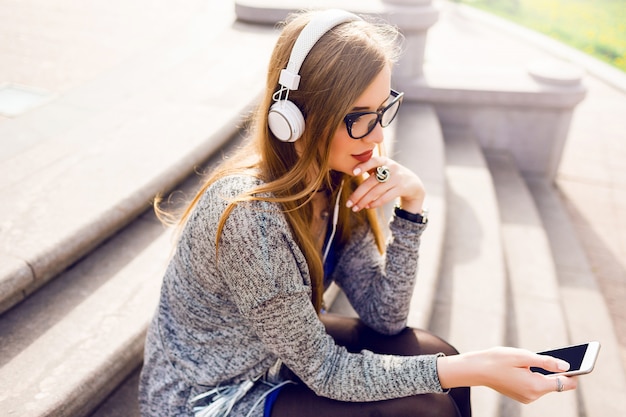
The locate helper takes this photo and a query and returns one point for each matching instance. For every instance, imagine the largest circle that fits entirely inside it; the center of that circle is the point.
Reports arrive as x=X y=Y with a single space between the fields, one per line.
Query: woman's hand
x=402 y=183
x=506 y=370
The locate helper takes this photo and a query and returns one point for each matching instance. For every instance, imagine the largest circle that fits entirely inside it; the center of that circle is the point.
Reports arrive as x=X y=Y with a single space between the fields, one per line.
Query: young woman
x=241 y=327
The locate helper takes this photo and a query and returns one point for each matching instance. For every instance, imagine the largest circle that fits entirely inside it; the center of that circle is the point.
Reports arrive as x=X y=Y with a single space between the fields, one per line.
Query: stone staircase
x=82 y=254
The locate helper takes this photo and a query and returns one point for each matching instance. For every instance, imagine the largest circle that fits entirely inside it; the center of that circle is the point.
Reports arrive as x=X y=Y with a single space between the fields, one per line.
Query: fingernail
x=355 y=209
x=356 y=171
x=562 y=365
x=349 y=203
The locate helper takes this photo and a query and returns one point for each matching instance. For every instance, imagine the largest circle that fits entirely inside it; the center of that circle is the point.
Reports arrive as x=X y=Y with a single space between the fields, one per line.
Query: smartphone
x=581 y=358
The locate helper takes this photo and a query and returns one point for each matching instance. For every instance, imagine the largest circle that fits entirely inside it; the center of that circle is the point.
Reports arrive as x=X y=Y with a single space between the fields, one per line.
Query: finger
x=363 y=195
x=354 y=200
x=560 y=383
x=538 y=385
x=382 y=199
x=550 y=363
x=370 y=165
x=366 y=193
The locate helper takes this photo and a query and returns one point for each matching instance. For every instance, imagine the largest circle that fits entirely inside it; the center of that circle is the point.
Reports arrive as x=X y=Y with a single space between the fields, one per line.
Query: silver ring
x=383 y=173
x=559 y=385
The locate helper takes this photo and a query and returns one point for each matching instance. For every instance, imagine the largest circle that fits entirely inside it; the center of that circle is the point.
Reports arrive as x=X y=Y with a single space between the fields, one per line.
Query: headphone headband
x=285 y=120
x=312 y=32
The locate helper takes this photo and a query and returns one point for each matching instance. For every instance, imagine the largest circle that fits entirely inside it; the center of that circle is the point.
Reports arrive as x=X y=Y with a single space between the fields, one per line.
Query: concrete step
x=470 y=309
x=551 y=296
x=150 y=124
x=601 y=393
x=108 y=147
x=123 y=401
x=419 y=145
x=536 y=318
x=69 y=345
x=73 y=341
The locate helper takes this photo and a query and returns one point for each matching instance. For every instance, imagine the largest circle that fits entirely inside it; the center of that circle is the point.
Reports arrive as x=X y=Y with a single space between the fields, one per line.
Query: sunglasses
x=361 y=123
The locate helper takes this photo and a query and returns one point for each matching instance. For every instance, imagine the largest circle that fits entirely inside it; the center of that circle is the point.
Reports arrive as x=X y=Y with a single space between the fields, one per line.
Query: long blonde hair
x=340 y=66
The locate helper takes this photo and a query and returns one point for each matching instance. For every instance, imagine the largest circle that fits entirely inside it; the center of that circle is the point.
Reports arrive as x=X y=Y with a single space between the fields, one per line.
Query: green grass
x=597 y=27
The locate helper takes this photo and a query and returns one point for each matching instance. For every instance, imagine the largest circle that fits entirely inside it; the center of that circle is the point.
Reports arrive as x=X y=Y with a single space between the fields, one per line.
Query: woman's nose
x=376 y=135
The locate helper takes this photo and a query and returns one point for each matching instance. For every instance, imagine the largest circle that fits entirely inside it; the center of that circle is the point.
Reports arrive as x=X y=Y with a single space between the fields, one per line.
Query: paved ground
x=57 y=46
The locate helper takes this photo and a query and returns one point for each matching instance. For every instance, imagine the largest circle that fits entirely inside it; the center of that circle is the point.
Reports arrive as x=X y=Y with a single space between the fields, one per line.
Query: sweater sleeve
x=380 y=287
x=269 y=282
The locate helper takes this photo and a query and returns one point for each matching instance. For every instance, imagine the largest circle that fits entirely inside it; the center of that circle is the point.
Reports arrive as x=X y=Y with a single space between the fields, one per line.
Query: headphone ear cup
x=286 y=121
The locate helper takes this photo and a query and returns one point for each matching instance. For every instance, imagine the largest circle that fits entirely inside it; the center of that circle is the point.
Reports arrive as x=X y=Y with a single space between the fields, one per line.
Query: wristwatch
x=421 y=218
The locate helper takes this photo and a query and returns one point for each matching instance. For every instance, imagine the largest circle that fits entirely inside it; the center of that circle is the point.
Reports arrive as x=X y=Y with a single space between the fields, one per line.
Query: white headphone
x=285 y=118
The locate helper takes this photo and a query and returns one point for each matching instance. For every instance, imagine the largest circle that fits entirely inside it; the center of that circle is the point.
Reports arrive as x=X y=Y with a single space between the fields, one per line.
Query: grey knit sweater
x=221 y=321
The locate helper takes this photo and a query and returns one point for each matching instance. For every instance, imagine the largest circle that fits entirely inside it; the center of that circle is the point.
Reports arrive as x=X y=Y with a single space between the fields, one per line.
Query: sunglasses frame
x=351 y=118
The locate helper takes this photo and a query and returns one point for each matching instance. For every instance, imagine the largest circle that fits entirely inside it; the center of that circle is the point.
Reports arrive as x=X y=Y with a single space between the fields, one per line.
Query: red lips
x=364 y=157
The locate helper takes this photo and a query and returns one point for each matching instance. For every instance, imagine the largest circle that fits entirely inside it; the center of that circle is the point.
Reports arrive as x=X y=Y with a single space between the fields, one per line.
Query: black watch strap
x=413 y=217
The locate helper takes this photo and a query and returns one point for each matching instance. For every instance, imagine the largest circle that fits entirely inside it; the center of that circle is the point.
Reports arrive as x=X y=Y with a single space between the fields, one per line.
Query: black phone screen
x=573 y=355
